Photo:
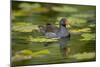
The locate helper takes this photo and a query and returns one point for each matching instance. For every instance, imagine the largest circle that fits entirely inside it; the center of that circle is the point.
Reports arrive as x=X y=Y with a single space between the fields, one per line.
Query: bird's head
x=63 y=22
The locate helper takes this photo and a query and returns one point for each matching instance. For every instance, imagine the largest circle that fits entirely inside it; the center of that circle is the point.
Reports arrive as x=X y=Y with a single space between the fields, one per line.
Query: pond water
x=30 y=47
x=47 y=51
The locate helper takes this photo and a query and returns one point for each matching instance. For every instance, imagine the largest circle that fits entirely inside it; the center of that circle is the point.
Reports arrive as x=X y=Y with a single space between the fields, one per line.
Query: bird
x=51 y=31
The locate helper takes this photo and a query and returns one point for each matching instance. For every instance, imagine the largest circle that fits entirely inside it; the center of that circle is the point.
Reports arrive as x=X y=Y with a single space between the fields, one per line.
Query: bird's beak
x=64 y=22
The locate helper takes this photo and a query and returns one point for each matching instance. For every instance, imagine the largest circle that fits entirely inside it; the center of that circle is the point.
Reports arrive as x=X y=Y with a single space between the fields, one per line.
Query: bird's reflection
x=64 y=46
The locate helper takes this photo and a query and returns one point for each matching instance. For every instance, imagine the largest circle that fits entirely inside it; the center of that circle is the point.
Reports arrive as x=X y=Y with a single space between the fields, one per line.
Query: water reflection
x=40 y=50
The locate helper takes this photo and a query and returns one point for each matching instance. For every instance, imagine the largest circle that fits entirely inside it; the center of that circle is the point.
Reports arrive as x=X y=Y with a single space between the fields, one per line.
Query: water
x=21 y=41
